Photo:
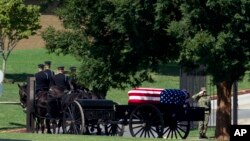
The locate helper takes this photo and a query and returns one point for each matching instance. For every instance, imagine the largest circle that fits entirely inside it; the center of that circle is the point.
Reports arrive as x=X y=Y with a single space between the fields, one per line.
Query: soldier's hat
x=203 y=89
x=72 y=69
x=47 y=63
x=60 y=68
x=41 y=66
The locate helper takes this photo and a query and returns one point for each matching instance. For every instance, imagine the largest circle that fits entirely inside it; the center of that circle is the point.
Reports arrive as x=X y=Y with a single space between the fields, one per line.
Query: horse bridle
x=23 y=95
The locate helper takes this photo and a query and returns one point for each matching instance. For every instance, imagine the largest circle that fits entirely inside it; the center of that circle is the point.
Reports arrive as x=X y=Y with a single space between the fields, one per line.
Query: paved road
x=243 y=110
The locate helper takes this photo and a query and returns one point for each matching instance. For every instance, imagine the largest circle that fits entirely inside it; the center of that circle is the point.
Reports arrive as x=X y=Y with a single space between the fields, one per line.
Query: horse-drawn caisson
x=150 y=112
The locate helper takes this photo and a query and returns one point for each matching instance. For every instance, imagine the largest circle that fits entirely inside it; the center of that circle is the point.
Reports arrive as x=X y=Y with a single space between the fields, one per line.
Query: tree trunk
x=223 y=118
x=4 y=67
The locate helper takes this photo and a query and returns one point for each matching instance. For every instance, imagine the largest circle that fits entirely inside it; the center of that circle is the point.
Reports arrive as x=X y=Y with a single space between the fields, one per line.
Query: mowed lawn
x=23 y=63
x=63 y=137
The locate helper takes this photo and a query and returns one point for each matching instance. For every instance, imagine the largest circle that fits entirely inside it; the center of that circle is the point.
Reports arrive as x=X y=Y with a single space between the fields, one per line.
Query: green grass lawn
x=23 y=63
x=62 y=137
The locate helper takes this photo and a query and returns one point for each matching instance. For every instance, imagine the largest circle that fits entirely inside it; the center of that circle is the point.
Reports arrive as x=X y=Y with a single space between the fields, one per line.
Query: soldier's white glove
x=201 y=93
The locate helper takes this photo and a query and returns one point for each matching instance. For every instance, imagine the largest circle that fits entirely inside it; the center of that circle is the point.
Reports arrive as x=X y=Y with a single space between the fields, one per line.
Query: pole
x=30 y=104
x=235 y=103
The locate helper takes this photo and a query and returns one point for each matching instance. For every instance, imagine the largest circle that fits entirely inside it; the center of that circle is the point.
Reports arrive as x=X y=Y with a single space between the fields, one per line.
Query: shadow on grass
x=12 y=140
x=169 y=69
x=164 y=69
x=18 y=125
x=17 y=77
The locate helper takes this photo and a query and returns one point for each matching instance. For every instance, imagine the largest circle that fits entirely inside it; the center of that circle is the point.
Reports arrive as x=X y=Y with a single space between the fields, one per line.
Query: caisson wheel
x=73 y=119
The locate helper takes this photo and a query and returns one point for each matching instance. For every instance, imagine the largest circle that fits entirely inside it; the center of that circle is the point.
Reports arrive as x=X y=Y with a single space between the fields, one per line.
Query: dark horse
x=59 y=99
x=23 y=95
x=40 y=107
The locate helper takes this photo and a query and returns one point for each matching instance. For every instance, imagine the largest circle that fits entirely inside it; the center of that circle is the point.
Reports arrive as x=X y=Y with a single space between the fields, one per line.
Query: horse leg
x=99 y=130
x=54 y=125
x=42 y=125
x=48 y=126
x=59 y=125
x=37 y=122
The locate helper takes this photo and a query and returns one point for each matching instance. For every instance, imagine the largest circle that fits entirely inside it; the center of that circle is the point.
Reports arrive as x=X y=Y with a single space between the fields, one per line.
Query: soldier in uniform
x=203 y=101
x=48 y=71
x=61 y=80
x=41 y=79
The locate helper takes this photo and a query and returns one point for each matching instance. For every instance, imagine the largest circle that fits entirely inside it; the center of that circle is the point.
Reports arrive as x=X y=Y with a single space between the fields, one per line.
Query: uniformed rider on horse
x=48 y=71
x=61 y=82
x=42 y=79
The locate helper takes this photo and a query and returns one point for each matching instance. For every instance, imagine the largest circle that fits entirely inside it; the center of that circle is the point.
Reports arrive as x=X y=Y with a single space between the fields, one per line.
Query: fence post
x=30 y=104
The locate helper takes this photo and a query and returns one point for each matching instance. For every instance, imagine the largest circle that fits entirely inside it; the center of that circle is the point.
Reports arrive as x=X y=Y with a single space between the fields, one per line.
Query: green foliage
x=214 y=34
x=118 y=42
x=17 y=21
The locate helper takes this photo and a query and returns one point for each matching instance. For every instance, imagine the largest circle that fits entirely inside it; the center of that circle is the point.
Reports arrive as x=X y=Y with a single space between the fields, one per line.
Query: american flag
x=173 y=96
x=143 y=95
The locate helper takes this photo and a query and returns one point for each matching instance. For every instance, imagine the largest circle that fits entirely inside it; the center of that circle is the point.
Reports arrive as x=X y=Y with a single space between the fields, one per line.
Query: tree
x=17 y=21
x=215 y=34
x=118 y=42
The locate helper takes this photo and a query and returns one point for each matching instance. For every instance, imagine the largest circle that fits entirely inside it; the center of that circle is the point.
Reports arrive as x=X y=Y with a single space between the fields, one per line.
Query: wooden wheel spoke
x=137 y=117
x=135 y=127
x=119 y=128
x=169 y=133
x=175 y=134
x=145 y=133
x=179 y=133
x=151 y=121
x=73 y=119
x=148 y=133
x=172 y=134
x=180 y=129
x=139 y=131
x=153 y=129
x=152 y=133
x=166 y=130
x=142 y=132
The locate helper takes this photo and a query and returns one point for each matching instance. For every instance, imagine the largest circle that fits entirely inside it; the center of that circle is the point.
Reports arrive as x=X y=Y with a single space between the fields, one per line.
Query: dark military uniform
x=49 y=72
x=42 y=80
x=203 y=101
x=61 y=80
x=54 y=103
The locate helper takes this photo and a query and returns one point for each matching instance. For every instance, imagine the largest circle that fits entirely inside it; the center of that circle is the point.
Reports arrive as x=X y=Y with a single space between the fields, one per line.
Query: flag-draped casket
x=157 y=96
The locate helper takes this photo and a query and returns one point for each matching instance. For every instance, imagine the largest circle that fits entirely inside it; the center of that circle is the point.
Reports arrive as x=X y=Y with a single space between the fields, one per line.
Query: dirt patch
x=19 y=130
x=36 y=41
